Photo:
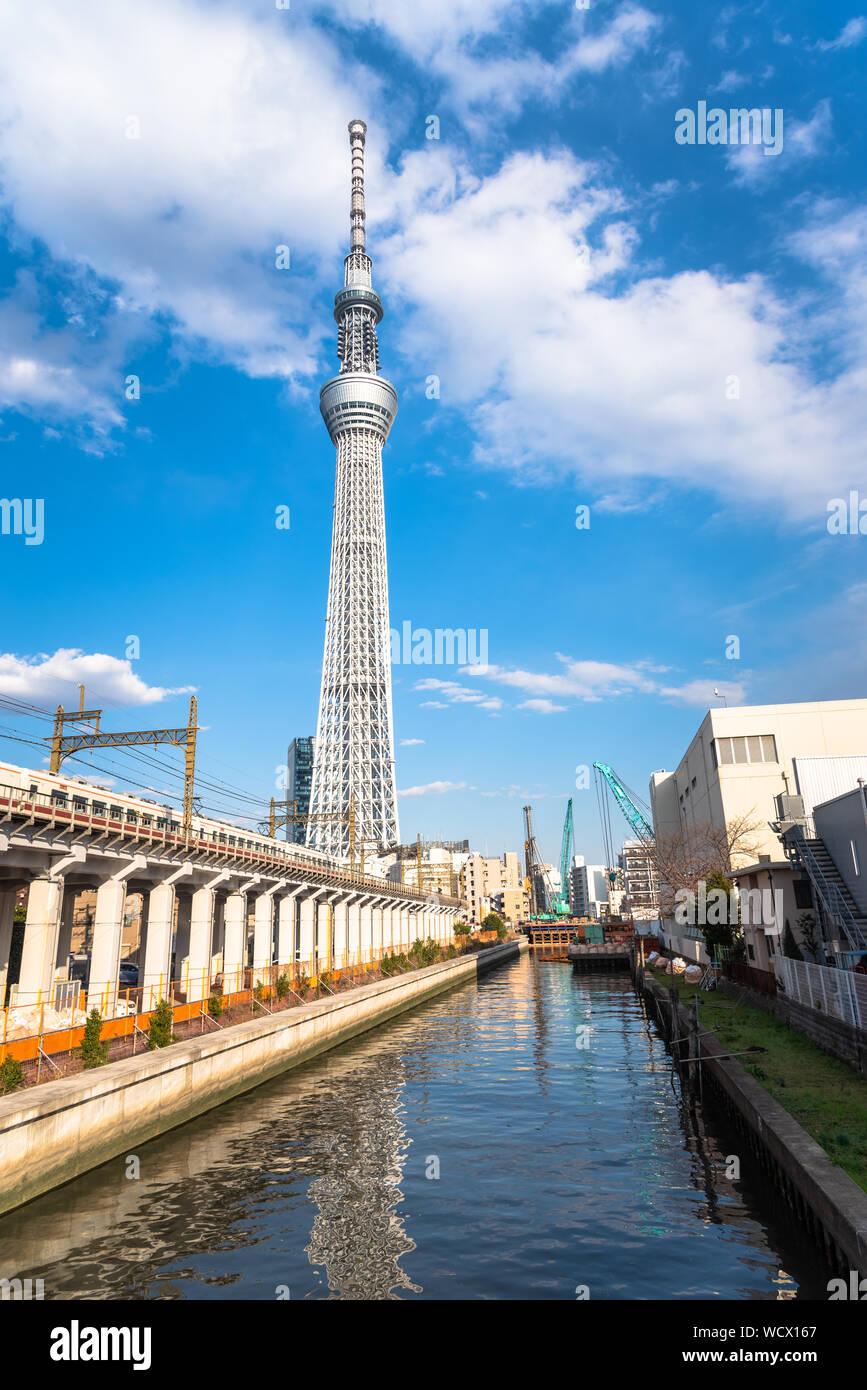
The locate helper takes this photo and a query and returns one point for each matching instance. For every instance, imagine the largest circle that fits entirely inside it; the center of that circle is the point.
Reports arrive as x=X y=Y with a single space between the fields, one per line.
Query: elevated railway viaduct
x=199 y=892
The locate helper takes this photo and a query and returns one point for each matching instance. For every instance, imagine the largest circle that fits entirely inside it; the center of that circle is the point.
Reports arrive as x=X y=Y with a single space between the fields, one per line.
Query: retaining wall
x=824 y=1198
x=54 y=1132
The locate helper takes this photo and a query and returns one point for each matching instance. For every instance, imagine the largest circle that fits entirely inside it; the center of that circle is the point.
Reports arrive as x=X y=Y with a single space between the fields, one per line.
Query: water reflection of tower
x=357 y=1234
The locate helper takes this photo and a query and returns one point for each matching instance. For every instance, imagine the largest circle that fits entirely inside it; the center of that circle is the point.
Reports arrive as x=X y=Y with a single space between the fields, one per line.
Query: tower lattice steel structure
x=354 y=739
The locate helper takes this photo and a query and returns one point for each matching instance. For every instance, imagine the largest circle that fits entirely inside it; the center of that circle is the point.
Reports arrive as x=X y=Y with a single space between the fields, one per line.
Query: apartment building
x=636 y=865
x=483 y=880
x=588 y=888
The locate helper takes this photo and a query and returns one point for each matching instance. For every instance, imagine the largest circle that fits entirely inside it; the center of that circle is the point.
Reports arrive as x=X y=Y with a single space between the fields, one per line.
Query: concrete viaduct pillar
x=263 y=936
x=156 y=957
x=307 y=933
x=365 y=927
x=378 y=927
x=235 y=935
x=353 y=932
x=394 y=925
x=197 y=979
x=44 y=905
x=404 y=927
x=340 y=918
x=286 y=911
x=107 y=933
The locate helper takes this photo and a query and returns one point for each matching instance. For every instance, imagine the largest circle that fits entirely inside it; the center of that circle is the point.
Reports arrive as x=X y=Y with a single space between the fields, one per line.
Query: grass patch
x=825 y=1096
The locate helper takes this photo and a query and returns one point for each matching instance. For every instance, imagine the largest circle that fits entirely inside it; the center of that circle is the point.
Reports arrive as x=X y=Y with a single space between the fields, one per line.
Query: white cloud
x=183 y=221
x=851 y=34
x=543 y=372
x=471 y=45
x=179 y=227
x=410 y=742
x=703 y=693
x=458 y=694
x=592 y=681
x=433 y=789
x=629 y=31
x=53 y=680
x=57 y=372
x=583 y=680
x=801 y=140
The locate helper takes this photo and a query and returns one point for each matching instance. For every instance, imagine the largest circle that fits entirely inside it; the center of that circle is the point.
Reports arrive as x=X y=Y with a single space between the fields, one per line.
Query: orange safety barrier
x=130 y=1017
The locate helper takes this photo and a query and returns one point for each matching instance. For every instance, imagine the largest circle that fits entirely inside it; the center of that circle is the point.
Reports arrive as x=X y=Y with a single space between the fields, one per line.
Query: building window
x=803 y=895
x=752 y=748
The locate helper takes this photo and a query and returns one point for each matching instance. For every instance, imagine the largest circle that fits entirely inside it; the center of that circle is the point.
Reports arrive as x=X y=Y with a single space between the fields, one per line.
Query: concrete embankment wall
x=54 y=1132
x=823 y=1198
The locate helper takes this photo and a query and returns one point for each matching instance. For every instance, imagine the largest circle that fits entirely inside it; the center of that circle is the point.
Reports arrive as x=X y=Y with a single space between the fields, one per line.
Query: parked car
x=128 y=974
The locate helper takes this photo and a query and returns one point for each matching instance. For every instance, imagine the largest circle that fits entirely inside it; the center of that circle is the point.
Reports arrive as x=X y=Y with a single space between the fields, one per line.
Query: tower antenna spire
x=357 y=132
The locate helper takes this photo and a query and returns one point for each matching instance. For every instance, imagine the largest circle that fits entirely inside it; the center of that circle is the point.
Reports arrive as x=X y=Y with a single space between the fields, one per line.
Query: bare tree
x=695 y=855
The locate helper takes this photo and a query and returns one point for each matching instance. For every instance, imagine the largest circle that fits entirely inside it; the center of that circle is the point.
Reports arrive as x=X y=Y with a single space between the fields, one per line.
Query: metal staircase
x=829 y=887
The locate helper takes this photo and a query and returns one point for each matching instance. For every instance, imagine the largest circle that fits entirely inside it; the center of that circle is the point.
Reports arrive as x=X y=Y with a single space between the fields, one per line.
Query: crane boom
x=561 y=902
x=636 y=820
x=540 y=887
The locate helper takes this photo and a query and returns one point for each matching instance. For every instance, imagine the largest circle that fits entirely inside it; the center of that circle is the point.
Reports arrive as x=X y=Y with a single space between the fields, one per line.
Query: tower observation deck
x=354 y=736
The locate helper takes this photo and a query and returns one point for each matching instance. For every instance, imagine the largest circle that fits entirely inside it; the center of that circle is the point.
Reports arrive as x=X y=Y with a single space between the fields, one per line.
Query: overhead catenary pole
x=63 y=745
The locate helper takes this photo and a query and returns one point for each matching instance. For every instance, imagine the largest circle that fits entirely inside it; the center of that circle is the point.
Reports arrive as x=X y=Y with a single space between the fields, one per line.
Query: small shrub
x=394 y=964
x=326 y=979
x=160 y=1028
x=422 y=953
x=258 y=991
x=282 y=986
x=11 y=1076
x=94 y=1052
x=303 y=984
x=215 y=1006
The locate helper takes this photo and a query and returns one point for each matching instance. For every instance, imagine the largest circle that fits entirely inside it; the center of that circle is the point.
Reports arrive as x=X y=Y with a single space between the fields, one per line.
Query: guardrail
x=166 y=834
x=839 y=993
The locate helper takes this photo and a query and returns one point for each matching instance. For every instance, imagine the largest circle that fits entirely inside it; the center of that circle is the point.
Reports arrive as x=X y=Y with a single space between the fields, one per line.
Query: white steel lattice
x=354 y=740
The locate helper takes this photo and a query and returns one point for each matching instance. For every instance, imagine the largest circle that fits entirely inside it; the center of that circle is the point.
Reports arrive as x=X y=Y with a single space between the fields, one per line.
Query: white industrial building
x=588 y=888
x=769 y=764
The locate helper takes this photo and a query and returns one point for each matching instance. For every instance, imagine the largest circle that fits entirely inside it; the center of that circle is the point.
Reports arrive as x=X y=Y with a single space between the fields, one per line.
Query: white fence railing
x=839 y=993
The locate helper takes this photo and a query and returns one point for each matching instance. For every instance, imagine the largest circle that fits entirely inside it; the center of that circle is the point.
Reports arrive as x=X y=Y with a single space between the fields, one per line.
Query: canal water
x=520 y=1137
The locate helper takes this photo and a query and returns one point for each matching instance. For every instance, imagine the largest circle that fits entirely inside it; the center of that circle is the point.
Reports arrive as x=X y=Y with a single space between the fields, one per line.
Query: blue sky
x=584 y=288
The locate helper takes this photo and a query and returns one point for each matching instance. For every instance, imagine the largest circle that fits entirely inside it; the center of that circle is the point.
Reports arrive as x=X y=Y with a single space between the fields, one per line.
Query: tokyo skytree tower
x=354 y=739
